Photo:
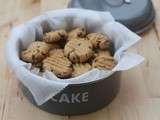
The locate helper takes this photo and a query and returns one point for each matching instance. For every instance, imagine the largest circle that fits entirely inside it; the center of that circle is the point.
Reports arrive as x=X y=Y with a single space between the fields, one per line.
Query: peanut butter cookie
x=99 y=40
x=103 y=61
x=80 y=69
x=59 y=65
x=55 y=36
x=56 y=52
x=77 y=33
x=78 y=50
x=35 y=53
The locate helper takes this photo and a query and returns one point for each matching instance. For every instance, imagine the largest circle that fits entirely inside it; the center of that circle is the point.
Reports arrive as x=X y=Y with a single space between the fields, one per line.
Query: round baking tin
x=81 y=98
x=137 y=15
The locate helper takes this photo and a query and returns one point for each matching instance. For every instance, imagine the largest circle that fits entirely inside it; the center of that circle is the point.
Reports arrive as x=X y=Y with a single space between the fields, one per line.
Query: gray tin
x=137 y=15
x=81 y=98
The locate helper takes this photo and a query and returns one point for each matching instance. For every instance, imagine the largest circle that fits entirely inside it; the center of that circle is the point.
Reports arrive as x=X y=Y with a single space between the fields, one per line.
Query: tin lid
x=137 y=15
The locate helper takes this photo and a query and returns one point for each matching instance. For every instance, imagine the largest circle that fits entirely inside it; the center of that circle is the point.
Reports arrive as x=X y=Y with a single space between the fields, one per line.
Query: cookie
x=56 y=52
x=35 y=53
x=103 y=61
x=99 y=40
x=77 y=33
x=78 y=50
x=55 y=36
x=59 y=65
x=80 y=69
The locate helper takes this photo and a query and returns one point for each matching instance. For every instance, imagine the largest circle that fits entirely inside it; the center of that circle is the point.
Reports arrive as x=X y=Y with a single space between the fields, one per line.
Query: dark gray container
x=137 y=15
x=81 y=98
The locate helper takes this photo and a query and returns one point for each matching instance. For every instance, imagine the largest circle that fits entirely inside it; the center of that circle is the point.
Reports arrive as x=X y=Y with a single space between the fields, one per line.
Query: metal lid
x=137 y=15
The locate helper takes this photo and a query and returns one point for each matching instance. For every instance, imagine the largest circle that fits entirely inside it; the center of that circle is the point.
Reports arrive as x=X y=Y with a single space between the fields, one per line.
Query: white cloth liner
x=45 y=87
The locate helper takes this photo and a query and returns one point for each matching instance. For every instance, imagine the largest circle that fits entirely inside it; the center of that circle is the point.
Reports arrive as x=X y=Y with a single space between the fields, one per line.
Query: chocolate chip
x=38 y=50
x=90 y=47
x=79 y=44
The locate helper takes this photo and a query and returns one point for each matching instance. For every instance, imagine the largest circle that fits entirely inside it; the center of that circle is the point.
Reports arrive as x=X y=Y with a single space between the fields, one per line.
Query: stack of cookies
x=70 y=54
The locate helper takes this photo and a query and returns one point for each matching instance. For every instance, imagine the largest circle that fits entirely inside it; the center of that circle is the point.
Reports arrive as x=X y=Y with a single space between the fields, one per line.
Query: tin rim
x=148 y=24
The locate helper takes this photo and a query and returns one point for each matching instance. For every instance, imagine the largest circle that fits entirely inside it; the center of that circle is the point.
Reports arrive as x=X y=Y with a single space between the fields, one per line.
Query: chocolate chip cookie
x=55 y=36
x=78 y=50
x=99 y=40
x=80 y=69
x=77 y=33
x=35 y=53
